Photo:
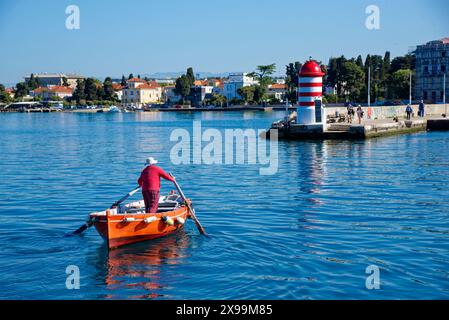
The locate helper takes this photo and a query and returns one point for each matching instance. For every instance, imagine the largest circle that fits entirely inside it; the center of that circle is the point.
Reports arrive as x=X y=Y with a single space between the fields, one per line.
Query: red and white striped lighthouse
x=310 y=89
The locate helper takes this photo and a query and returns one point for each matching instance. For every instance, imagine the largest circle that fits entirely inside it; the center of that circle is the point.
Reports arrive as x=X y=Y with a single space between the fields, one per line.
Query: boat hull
x=122 y=229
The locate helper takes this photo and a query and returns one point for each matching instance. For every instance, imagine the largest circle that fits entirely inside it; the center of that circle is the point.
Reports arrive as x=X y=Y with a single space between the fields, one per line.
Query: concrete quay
x=367 y=129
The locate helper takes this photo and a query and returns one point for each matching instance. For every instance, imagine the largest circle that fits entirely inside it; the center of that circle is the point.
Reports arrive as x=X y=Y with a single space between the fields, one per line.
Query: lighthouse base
x=306 y=115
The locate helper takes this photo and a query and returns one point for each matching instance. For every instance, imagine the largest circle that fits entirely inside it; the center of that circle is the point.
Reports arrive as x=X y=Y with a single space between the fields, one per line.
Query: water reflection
x=140 y=268
x=310 y=170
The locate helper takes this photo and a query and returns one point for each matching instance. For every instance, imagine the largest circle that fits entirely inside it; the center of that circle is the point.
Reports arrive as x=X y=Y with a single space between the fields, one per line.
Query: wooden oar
x=90 y=222
x=189 y=206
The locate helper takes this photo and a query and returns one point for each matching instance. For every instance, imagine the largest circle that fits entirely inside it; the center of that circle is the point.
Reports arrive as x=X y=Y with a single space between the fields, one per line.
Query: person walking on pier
x=351 y=112
x=421 y=112
x=408 y=111
x=150 y=181
x=359 y=114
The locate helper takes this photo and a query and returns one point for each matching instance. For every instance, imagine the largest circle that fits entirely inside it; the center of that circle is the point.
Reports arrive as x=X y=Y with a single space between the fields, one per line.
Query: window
x=426 y=69
x=443 y=68
x=425 y=96
x=443 y=54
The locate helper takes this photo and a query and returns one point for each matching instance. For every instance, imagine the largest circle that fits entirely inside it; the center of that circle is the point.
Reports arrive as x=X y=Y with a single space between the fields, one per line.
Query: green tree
x=291 y=80
x=190 y=76
x=263 y=74
x=123 y=82
x=260 y=93
x=387 y=63
x=21 y=90
x=398 y=84
x=130 y=76
x=90 y=89
x=65 y=83
x=182 y=87
x=353 y=77
x=247 y=93
x=218 y=99
x=334 y=77
x=359 y=62
x=403 y=62
x=4 y=96
x=79 y=94
x=108 y=90
x=32 y=82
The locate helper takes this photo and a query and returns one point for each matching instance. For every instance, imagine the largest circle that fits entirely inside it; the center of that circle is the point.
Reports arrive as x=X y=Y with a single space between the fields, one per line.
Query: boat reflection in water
x=146 y=268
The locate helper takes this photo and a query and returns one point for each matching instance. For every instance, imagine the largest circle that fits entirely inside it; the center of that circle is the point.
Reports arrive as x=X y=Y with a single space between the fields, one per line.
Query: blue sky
x=120 y=37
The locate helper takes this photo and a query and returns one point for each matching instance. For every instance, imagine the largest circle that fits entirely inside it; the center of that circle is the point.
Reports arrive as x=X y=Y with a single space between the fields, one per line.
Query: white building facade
x=235 y=82
x=139 y=92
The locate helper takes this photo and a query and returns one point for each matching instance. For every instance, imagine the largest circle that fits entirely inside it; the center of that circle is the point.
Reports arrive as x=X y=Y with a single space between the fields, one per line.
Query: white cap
x=150 y=161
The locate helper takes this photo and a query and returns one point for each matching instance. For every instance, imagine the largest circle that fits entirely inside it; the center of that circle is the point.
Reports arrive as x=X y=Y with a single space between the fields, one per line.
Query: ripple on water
x=307 y=232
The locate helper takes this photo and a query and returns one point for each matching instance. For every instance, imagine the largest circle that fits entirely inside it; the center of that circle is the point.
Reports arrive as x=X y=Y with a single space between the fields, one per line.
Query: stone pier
x=365 y=130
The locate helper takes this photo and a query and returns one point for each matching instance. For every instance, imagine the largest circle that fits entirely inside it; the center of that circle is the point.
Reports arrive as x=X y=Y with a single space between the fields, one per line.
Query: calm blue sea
x=308 y=232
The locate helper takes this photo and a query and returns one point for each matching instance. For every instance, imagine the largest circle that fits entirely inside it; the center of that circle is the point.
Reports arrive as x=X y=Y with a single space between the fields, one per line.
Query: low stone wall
x=384 y=112
x=384 y=129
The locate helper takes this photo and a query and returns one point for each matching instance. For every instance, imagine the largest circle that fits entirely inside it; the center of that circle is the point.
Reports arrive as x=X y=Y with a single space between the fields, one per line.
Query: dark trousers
x=408 y=115
x=151 y=199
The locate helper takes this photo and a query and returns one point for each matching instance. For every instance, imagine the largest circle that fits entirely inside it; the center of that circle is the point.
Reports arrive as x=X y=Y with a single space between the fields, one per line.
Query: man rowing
x=150 y=181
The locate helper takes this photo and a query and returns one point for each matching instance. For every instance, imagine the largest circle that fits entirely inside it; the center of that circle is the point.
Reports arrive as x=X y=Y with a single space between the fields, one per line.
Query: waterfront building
x=139 y=92
x=10 y=92
x=170 y=96
x=56 y=79
x=215 y=82
x=279 y=80
x=432 y=63
x=200 y=82
x=277 y=90
x=236 y=81
x=200 y=93
x=118 y=89
x=49 y=93
x=165 y=81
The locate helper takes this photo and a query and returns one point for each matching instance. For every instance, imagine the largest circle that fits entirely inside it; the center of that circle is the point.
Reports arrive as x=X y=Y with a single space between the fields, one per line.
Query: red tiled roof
x=278 y=86
x=445 y=40
x=40 y=90
x=117 y=86
x=200 y=83
x=148 y=86
x=55 y=89
x=135 y=80
x=61 y=89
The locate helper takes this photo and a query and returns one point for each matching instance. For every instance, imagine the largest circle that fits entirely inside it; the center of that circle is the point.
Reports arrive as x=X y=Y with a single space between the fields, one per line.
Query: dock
x=368 y=129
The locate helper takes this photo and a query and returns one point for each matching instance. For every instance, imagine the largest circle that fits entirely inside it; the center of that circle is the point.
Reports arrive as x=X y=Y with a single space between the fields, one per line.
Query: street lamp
x=444 y=94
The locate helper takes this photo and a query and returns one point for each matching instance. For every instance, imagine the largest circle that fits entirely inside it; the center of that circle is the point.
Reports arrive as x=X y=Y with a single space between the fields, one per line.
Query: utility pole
x=444 y=94
x=410 y=90
x=369 y=86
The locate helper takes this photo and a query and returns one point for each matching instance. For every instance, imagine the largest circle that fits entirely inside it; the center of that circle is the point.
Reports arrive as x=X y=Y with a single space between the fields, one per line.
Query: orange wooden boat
x=129 y=223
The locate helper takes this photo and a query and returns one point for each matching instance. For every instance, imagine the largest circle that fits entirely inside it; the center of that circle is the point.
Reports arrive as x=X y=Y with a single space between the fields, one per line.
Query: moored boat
x=128 y=223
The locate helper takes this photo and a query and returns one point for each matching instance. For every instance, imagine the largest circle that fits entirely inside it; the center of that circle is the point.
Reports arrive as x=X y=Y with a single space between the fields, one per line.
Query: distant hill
x=174 y=75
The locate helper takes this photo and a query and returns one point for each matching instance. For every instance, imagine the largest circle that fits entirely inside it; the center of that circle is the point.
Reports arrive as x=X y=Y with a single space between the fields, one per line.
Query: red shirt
x=150 y=178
